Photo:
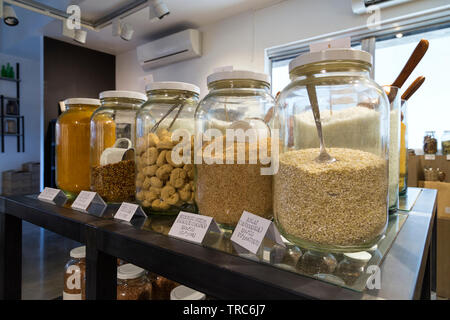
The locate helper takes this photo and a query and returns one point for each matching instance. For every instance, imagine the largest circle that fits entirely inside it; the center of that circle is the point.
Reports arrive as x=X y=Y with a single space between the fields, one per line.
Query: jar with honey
x=73 y=144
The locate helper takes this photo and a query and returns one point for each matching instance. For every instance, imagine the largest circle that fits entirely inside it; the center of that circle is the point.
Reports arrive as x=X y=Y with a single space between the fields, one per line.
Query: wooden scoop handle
x=413 y=61
x=413 y=88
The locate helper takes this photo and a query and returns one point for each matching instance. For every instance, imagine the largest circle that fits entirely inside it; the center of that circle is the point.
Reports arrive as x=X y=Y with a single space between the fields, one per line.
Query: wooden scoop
x=409 y=67
x=413 y=88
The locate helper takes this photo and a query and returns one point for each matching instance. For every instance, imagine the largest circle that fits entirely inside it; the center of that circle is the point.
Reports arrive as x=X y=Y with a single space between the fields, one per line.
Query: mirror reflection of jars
x=75 y=275
x=429 y=143
x=352 y=267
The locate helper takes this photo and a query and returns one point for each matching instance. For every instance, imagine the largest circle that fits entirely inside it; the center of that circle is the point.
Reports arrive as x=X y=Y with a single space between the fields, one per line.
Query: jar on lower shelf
x=75 y=275
x=132 y=283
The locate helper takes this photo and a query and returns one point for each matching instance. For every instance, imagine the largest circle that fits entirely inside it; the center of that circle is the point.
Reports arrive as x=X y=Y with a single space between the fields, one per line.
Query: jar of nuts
x=112 y=145
x=132 y=283
x=164 y=171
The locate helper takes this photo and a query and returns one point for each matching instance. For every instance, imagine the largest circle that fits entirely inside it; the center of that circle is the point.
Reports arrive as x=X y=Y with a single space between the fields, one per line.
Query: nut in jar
x=162 y=181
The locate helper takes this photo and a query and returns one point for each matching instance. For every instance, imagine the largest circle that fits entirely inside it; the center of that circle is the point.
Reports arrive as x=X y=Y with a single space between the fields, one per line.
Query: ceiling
x=183 y=14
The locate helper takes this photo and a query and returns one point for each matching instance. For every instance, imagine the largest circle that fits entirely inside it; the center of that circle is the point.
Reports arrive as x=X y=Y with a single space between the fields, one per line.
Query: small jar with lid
x=161 y=286
x=429 y=143
x=445 y=142
x=341 y=205
x=72 y=145
x=185 y=293
x=113 y=133
x=352 y=267
x=231 y=120
x=132 y=283
x=165 y=185
x=75 y=275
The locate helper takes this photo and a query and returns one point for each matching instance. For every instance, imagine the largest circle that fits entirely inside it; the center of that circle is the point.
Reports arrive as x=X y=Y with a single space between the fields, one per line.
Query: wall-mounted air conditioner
x=176 y=47
x=363 y=6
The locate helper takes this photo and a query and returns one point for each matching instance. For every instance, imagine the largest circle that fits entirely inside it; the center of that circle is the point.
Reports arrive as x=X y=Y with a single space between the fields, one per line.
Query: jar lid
x=123 y=94
x=185 y=293
x=238 y=75
x=362 y=256
x=84 y=101
x=129 y=271
x=78 y=253
x=330 y=55
x=172 y=85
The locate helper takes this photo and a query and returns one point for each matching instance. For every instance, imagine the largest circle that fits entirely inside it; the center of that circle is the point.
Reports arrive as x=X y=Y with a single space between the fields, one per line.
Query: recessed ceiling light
x=399 y=35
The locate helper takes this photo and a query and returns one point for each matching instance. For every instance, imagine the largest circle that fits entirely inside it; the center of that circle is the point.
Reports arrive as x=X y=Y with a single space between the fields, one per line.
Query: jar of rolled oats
x=164 y=169
x=340 y=205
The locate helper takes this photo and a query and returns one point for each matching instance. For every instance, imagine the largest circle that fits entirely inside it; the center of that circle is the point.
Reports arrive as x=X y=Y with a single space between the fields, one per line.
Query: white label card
x=128 y=210
x=89 y=202
x=54 y=196
x=252 y=229
x=447 y=210
x=448 y=157
x=430 y=157
x=336 y=43
x=193 y=227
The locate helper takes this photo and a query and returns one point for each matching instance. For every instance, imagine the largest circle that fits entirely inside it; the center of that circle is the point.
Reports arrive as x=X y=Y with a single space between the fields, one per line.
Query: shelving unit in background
x=19 y=119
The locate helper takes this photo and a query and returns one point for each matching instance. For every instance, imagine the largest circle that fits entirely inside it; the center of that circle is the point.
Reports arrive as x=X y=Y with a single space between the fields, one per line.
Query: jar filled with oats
x=233 y=170
x=341 y=205
x=164 y=167
x=113 y=129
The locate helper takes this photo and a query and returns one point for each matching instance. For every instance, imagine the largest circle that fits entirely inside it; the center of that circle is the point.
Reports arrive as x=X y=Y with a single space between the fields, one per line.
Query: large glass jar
x=75 y=275
x=163 y=185
x=338 y=206
x=229 y=177
x=72 y=145
x=445 y=142
x=403 y=179
x=113 y=130
x=430 y=143
x=132 y=283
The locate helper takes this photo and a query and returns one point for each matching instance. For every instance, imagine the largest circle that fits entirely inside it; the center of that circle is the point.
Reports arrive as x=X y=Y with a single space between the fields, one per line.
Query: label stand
x=90 y=202
x=193 y=227
x=53 y=196
x=128 y=210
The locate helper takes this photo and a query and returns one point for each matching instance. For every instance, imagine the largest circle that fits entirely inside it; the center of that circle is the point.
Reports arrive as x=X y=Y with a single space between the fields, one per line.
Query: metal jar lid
x=129 y=271
x=123 y=94
x=82 y=101
x=78 y=253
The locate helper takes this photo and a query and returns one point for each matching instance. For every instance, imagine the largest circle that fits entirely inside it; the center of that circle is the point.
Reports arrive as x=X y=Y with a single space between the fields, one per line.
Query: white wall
x=240 y=40
x=30 y=107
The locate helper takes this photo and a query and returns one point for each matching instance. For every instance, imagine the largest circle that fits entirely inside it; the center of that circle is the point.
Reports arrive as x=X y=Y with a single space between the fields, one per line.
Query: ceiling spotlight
x=9 y=16
x=122 y=29
x=399 y=35
x=158 y=9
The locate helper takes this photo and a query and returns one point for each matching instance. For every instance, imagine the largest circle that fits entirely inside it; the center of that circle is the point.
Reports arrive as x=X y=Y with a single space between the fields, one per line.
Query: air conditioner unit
x=179 y=46
x=364 y=6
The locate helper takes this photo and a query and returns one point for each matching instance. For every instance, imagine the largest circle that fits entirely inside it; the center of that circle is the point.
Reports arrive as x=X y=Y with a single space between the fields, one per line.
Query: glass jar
x=163 y=185
x=75 y=275
x=394 y=145
x=352 y=267
x=229 y=175
x=403 y=179
x=338 y=206
x=429 y=143
x=445 y=142
x=132 y=283
x=162 y=287
x=185 y=293
x=72 y=146
x=113 y=132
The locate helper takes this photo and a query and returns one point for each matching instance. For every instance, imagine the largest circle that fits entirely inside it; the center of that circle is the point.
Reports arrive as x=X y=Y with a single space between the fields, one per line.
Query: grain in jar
x=237 y=100
x=132 y=283
x=340 y=206
x=112 y=151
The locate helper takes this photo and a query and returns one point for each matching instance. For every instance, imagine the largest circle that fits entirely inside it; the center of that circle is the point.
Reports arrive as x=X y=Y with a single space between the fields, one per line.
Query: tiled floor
x=44 y=255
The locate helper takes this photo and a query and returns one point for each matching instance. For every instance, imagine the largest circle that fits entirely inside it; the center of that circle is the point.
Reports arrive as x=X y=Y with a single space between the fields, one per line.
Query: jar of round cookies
x=164 y=132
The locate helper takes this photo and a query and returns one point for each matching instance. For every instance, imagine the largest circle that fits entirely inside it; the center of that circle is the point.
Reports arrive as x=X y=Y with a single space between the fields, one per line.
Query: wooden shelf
x=10 y=79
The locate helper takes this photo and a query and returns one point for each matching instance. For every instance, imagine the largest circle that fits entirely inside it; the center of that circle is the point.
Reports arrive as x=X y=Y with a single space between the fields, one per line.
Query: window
x=428 y=109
